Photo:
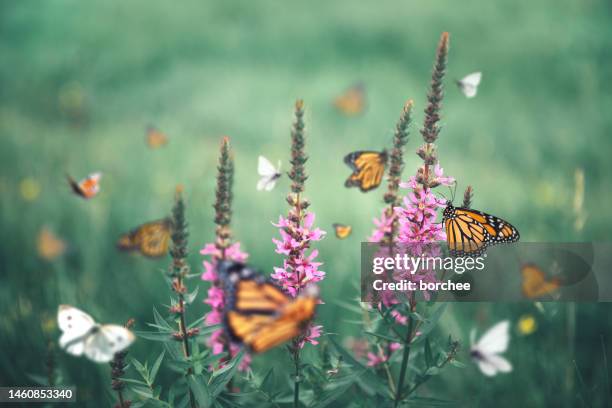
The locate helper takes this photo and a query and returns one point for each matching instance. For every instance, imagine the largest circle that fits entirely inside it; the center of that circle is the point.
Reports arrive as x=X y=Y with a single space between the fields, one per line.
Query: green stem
x=296 y=384
x=405 y=358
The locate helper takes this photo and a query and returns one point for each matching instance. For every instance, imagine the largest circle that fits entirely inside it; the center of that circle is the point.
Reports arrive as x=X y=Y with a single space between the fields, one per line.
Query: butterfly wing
x=49 y=246
x=352 y=101
x=469 y=84
x=259 y=314
x=90 y=185
x=109 y=339
x=156 y=138
x=368 y=169
x=495 y=340
x=535 y=284
x=75 y=326
x=151 y=239
x=342 y=231
x=265 y=167
x=470 y=232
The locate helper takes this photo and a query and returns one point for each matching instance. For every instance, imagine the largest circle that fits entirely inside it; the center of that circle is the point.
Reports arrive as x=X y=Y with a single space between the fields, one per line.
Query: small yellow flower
x=29 y=188
x=527 y=324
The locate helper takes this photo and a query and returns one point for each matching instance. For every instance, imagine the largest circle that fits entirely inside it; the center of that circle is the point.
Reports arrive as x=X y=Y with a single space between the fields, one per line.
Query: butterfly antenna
x=453 y=192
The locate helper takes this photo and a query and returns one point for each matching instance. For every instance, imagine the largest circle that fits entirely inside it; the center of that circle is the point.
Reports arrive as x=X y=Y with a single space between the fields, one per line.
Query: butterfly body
x=151 y=239
x=368 y=169
x=87 y=188
x=81 y=335
x=469 y=232
x=258 y=314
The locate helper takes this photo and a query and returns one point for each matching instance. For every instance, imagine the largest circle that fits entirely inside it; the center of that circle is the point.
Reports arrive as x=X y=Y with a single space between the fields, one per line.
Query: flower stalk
x=118 y=366
x=223 y=248
x=178 y=271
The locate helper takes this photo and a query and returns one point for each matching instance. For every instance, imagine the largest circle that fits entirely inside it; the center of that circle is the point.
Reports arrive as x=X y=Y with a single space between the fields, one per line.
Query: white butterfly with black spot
x=269 y=174
x=82 y=335
x=486 y=352
x=469 y=84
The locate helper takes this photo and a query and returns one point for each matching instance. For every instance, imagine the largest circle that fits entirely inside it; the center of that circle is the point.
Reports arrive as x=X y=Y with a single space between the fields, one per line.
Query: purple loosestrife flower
x=222 y=249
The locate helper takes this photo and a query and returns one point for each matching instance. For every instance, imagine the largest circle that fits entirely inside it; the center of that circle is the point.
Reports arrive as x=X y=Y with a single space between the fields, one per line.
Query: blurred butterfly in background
x=368 y=169
x=87 y=188
x=151 y=239
x=342 y=231
x=268 y=174
x=469 y=84
x=49 y=245
x=470 y=232
x=259 y=314
x=82 y=335
x=535 y=284
x=156 y=138
x=352 y=101
x=486 y=351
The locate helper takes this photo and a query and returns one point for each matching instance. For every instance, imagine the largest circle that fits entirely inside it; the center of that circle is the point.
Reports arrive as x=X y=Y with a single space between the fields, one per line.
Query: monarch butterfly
x=156 y=138
x=151 y=239
x=342 y=231
x=368 y=169
x=352 y=101
x=535 y=284
x=470 y=232
x=87 y=188
x=257 y=313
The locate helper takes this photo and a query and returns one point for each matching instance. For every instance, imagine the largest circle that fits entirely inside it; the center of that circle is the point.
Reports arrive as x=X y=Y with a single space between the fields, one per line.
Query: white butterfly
x=469 y=84
x=81 y=334
x=486 y=352
x=268 y=173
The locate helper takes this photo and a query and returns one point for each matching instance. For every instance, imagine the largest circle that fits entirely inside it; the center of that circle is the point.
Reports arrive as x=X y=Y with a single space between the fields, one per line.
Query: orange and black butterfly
x=342 y=231
x=470 y=232
x=368 y=169
x=151 y=239
x=352 y=102
x=87 y=188
x=258 y=314
x=535 y=284
x=156 y=138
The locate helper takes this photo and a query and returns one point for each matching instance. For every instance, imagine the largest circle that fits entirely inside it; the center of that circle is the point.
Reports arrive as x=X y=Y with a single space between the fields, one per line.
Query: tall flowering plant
x=411 y=221
x=297 y=233
x=222 y=249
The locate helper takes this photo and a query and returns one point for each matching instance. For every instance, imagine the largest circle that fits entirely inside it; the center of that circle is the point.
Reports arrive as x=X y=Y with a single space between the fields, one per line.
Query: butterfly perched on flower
x=535 y=284
x=87 y=188
x=368 y=169
x=470 y=232
x=82 y=335
x=268 y=174
x=469 y=84
x=342 y=231
x=352 y=101
x=156 y=138
x=486 y=351
x=259 y=314
x=151 y=239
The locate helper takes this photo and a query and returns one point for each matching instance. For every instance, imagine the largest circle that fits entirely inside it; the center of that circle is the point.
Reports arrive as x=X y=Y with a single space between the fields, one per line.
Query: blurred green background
x=80 y=81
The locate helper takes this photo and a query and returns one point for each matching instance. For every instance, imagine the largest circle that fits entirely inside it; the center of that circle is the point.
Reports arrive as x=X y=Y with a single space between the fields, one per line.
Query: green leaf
x=156 y=365
x=384 y=337
x=200 y=390
x=142 y=370
x=368 y=382
x=221 y=377
x=428 y=355
x=431 y=402
x=154 y=336
x=457 y=363
x=39 y=379
x=430 y=323
x=142 y=391
x=159 y=320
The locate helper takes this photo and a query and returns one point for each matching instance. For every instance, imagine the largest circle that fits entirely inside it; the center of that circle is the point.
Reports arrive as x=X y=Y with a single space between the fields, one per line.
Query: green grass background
x=79 y=82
